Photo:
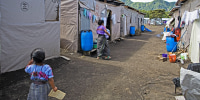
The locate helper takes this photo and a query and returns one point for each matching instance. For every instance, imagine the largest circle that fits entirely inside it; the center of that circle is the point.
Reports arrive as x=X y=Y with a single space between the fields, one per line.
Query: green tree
x=158 y=13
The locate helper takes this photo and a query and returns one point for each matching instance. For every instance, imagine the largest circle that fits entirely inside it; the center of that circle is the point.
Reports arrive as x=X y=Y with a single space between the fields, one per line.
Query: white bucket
x=184 y=56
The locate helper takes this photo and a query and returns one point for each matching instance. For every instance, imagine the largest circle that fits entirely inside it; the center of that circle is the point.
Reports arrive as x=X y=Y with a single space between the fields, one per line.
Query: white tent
x=194 y=42
x=24 y=27
x=129 y=18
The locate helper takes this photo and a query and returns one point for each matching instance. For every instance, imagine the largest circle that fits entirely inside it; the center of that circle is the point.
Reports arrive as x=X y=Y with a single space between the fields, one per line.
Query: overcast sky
x=151 y=0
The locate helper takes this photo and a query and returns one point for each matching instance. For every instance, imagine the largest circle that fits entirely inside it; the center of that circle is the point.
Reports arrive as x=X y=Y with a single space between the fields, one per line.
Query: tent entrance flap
x=109 y=22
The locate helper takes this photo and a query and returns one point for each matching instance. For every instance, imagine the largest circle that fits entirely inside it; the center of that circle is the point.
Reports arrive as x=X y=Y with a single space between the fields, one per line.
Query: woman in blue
x=102 y=44
x=41 y=74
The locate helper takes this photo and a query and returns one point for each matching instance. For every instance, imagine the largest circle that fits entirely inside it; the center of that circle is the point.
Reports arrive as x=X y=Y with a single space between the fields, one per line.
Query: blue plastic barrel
x=132 y=30
x=171 y=44
x=166 y=30
x=86 y=40
x=142 y=28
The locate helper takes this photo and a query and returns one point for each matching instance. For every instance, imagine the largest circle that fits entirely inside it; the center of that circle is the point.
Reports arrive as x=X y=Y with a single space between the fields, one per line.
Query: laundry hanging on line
x=88 y=12
x=90 y=15
x=189 y=17
x=85 y=12
x=93 y=18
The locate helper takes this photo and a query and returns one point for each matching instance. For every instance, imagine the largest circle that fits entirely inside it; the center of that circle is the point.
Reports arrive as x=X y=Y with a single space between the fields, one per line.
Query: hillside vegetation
x=156 y=4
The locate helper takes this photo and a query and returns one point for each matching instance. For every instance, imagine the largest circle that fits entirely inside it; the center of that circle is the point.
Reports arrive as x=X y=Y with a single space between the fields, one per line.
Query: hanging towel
x=90 y=15
x=88 y=12
x=191 y=16
x=85 y=12
x=114 y=19
x=93 y=18
x=194 y=15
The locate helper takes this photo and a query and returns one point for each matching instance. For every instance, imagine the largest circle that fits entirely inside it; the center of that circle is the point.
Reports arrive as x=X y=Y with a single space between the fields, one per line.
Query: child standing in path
x=102 y=44
x=40 y=74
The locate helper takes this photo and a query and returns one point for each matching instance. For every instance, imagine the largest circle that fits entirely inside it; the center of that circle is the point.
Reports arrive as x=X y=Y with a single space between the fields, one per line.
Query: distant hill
x=156 y=4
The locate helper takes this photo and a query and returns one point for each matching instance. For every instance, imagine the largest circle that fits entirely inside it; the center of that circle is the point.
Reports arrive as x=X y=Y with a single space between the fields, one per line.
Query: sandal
x=107 y=58
x=99 y=57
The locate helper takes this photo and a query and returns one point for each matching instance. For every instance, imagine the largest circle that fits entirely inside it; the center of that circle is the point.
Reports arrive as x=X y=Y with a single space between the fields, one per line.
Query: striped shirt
x=100 y=30
x=37 y=72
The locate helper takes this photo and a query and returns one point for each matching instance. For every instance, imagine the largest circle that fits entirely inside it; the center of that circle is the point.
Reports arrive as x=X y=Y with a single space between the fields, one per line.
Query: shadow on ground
x=79 y=79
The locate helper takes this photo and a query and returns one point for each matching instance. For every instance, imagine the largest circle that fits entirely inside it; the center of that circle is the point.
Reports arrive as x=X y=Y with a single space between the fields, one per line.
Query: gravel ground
x=134 y=73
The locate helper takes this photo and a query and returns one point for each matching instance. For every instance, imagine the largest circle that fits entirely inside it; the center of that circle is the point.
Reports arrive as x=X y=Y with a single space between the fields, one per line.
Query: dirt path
x=132 y=74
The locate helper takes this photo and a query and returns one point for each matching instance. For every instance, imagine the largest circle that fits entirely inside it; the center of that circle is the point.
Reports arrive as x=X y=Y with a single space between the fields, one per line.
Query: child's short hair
x=38 y=55
x=100 y=22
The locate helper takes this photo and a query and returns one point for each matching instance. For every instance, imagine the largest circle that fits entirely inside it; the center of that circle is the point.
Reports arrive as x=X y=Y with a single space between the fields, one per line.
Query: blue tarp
x=148 y=30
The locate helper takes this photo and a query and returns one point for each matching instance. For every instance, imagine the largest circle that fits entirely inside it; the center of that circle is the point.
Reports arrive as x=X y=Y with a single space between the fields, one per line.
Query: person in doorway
x=40 y=74
x=102 y=43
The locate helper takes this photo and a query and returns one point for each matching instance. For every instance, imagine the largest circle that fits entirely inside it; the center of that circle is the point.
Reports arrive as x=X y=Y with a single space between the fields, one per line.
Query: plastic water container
x=172 y=58
x=142 y=28
x=132 y=30
x=95 y=44
x=184 y=56
x=171 y=44
x=166 y=29
x=86 y=40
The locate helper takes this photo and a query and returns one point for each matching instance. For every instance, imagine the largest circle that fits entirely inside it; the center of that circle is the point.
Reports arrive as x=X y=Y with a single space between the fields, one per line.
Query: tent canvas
x=132 y=17
x=19 y=35
x=22 y=11
x=194 y=42
x=69 y=25
x=51 y=9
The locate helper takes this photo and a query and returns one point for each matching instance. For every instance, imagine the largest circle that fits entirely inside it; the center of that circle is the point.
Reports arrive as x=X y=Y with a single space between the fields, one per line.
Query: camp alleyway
x=134 y=73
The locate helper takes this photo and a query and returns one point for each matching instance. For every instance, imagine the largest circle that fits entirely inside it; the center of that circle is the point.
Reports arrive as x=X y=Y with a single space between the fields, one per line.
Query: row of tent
x=185 y=15
x=54 y=24
x=117 y=18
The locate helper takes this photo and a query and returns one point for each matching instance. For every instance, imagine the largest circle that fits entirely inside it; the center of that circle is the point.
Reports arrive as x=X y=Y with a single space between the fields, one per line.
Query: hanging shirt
x=93 y=18
x=37 y=72
x=100 y=29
